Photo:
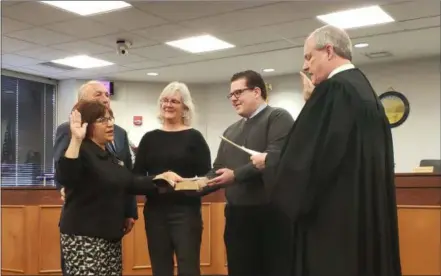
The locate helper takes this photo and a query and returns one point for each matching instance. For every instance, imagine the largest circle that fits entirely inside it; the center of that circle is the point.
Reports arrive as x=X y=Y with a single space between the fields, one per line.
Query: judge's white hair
x=338 y=38
x=83 y=88
x=182 y=90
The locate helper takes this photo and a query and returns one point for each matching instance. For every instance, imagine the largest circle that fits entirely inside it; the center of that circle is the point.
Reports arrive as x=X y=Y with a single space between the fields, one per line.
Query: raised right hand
x=63 y=195
x=77 y=129
x=308 y=87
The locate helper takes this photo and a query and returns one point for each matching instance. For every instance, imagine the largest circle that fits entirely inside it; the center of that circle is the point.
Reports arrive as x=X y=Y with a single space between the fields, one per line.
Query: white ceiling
x=267 y=34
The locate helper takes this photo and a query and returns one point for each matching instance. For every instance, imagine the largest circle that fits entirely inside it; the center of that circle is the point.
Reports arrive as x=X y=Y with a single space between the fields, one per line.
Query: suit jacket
x=122 y=148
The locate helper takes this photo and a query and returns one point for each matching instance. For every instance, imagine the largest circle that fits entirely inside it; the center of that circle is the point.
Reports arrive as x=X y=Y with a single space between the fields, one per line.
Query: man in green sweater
x=257 y=237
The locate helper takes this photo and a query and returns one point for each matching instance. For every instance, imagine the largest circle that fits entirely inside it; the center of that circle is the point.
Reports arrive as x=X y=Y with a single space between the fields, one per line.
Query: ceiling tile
x=44 y=53
x=250 y=36
x=413 y=9
x=374 y=30
x=82 y=28
x=26 y=70
x=10 y=3
x=183 y=10
x=82 y=47
x=185 y=59
x=94 y=72
x=120 y=59
x=167 y=32
x=420 y=23
x=28 y=11
x=41 y=36
x=158 y=52
x=243 y=19
x=133 y=19
x=45 y=69
x=110 y=40
x=251 y=49
x=299 y=28
x=10 y=25
x=145 y=64
x=16 y=60
x=10 y=45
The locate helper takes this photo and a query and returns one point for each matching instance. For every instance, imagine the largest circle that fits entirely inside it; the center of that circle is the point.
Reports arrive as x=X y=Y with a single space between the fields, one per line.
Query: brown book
x=188 y=184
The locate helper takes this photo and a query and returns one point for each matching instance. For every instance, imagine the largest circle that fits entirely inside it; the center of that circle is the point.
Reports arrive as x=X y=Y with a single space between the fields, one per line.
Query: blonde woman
x=173 y=222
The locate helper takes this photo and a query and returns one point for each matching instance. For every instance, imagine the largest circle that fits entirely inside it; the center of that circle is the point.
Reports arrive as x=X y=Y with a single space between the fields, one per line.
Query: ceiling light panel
x=355 y=18
x=200 y=44
x=82 y=62
x=86 y=8
x=361 y=45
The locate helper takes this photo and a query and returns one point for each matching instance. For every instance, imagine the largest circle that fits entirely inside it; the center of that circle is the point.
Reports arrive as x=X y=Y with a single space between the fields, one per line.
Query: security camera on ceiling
x=122 y=46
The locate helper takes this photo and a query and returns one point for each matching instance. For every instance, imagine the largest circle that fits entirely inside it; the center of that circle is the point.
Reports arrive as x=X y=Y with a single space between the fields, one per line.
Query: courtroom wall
x=419 y=80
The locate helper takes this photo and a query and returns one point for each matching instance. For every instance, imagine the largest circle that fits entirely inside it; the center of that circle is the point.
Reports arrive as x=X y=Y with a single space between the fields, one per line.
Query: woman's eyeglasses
x=105 y=120
x=172 y=101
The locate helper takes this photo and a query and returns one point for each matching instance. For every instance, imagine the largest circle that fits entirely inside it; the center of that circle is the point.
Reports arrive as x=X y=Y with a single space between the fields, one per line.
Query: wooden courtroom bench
x=30 y=235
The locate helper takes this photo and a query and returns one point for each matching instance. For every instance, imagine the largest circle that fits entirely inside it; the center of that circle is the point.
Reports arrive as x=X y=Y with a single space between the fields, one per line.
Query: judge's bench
x=30 y=236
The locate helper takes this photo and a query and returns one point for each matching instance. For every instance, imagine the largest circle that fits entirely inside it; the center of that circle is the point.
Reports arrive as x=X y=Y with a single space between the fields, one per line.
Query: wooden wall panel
x=420 y=239
x=30 y=234
x=13 y=240
x=206 y=236
x=136 y=259
x=135 y=253
x=49 y=239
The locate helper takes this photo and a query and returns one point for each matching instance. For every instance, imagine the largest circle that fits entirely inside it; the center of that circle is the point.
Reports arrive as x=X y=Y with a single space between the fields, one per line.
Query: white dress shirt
x=342 y=68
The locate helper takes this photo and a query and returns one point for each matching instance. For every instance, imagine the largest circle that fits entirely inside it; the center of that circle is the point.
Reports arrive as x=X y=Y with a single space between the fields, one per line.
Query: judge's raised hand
x=259 y=160
x=63 y=195
x=308 y=87
x=77 y=128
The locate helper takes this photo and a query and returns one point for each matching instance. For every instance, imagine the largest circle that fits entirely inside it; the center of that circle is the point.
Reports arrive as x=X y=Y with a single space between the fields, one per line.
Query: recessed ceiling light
x=152 y=74
x=268 y=70
x=88 y=7
x=361 y=45
x=355 y=18
x=82 y=62
x=200 y=44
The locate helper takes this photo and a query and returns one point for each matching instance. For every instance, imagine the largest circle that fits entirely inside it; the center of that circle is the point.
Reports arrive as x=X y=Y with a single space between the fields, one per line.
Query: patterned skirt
x=91 y=256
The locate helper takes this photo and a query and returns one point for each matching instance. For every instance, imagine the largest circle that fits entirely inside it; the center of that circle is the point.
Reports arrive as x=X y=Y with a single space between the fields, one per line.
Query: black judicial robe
x=335 y=180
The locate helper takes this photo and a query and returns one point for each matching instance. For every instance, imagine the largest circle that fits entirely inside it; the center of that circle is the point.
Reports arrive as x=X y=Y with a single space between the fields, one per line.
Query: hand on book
x=170 y=177
x=170 y=181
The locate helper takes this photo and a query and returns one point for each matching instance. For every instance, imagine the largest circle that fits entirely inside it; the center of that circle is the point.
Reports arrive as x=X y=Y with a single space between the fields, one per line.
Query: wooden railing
x=30 y=235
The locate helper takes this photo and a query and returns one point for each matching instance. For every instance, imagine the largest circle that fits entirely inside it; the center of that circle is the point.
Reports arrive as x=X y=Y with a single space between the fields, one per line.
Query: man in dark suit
x=94 y=90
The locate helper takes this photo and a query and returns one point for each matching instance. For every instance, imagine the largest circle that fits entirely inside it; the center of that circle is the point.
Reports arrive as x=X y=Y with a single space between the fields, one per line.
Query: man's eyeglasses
x=105 y=120
x=237 y=93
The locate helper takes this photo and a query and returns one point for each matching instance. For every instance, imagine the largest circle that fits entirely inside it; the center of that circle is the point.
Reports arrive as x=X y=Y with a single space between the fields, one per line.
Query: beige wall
x=418 y=138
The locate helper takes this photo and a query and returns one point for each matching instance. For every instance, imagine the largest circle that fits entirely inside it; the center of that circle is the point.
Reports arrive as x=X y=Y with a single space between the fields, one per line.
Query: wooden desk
x=30 y=236
x=419 y=218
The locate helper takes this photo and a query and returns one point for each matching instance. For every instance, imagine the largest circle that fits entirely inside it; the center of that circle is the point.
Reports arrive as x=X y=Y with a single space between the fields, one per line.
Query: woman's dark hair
x=90 y=112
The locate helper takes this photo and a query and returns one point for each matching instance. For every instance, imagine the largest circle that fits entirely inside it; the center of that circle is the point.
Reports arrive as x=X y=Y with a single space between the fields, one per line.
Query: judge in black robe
x=335 y=178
